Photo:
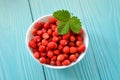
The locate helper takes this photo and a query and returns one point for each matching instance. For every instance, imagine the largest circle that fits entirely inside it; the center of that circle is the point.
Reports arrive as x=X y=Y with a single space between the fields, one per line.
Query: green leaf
x=62 y=15
x=63 y=28
x=75 y=24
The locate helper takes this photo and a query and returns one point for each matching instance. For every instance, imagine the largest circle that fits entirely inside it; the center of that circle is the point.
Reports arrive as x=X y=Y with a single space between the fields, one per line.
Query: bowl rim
x=50 y=66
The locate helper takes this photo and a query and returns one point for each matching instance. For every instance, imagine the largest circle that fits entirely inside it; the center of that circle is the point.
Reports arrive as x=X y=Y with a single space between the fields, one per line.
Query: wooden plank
x=101 y=19
x=15 y=61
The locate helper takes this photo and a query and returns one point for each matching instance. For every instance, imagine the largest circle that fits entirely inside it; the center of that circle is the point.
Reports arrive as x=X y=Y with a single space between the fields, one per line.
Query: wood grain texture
x=101 y=18
x=15 y=61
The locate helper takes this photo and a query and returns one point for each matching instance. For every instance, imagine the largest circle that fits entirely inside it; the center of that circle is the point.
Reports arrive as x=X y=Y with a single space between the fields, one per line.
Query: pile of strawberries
x=51 y=48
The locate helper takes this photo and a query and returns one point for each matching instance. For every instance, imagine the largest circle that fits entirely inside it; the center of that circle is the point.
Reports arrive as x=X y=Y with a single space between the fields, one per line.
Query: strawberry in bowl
x=58 y=40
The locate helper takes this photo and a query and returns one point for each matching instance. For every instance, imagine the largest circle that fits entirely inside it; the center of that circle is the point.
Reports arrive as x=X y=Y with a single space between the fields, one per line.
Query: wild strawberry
x=52 y=63
x=58 y=63
x=52 y=45
x=47 y=61
x=60 y=57
x=36 y=38
x=60 y=47
x=37 y=55
x=82 y=48
x=71 y=44
x=65 y=55
x=66 y=36
x=50 y=54
x=42 y=60
x=43 y=54
x=54 y=58
x=39 y=32
x=52 y=20
x=72 y=38
x=57 y=22
x=63 y=42
x=79 y=43
x=55 y=39
x=44 y=42
x=46 y=25
x=73 y=49
x=41 y=48
x=34 y=32
x=38 y=25
x=49 y=31
x=79 y=38
x=66 y=49
x=45 y=35
x=32 y=44
x=72 y=58
x=56 y=52
x=81 y=31
x=66 y=62
x=77 y=55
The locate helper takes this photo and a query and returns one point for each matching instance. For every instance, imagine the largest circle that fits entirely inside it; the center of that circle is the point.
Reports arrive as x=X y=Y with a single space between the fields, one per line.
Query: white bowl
x=29 y=37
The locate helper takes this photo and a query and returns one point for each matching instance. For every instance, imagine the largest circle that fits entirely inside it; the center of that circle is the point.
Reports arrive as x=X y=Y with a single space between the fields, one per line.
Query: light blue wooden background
x=101 y=18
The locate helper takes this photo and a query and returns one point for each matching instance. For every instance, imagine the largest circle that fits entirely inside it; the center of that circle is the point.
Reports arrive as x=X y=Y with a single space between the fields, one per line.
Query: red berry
x=60 y=47
x=43 y=30
x=82 y=48
x=44 y=42
x=57 y=22
x=66 y=49
x=39 y=32
x=79 y=43
x=49 y=31
x=47 y=61
x=60 y=57
x=52 y=20
x=79 y=38
x=38 y=25
x=46 y=25
x=50 y=54
x=42 y=60
x=72 y=38
x=41 y=48
x=71 y=44
x=39 y=43
x=66 y=36
x=54 y=58
x=72 y=58
x=59 y=37
x=36 y=38
x=81 y=31
x=37 y=55
x=32 y=44
x=52 y=63
x=43 y=54
x=47 y=48
x=45 y=35
x=54 y=34
x=55 y=39
x=56 y=52
x=65 y=55
x=73 y=49
x=52 y=45
x=34 y=32
x=53 y=27
x=63 y=42
x=66 y=62
x=58 y=63
x=77 y=55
